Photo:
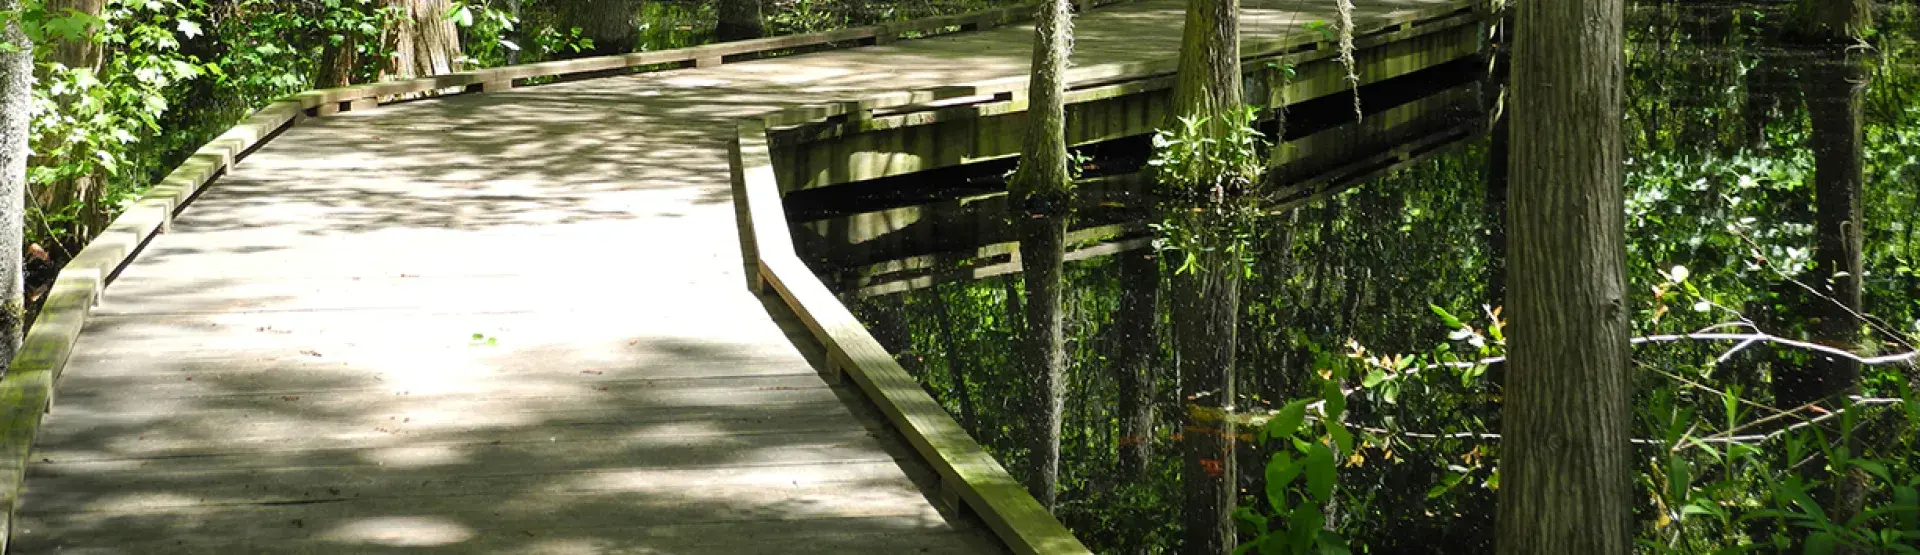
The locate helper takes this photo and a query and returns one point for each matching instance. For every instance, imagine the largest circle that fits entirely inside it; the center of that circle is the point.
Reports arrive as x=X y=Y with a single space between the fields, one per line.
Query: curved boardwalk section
x=502 y=323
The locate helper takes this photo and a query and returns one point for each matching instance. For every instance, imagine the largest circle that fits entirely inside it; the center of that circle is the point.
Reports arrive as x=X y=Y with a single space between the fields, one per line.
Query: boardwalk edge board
x=27 y=389
x=967 y=472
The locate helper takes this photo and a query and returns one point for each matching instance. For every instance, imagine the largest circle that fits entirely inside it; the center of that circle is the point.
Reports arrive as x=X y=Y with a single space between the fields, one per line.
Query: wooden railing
x=969 y=475
x=27 y=389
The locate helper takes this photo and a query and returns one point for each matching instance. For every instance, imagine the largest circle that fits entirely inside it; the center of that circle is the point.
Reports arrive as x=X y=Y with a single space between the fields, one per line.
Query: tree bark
x=739 y=20
x=1043 y=260
x=1565 y=469
x=1206 y=304
x=16 y=96
x=425 y=41
x=338 y=62
x=84 y=190
x=1039 y=188
x=1208 y=82
x=1139 y=347
x=612 y=24
x=1838 y=144
x=1206 y=301
x=515 y=35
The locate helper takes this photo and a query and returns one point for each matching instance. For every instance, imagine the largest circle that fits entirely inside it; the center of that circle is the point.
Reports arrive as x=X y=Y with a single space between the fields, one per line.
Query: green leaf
x=1281 y=470
x=1332 y=544
x=1679 y=478
x=1320 y=472
x=1341 y=438
x=1819 y=543
x=1907 y=500
x=1336 y=401
x=1875 y=468
x=1446 y=317
x=1373 y=378
x=1287 y=422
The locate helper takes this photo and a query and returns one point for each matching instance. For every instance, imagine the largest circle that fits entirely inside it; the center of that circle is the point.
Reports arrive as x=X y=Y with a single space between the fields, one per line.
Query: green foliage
x=1300 y=477
x=1209 y=171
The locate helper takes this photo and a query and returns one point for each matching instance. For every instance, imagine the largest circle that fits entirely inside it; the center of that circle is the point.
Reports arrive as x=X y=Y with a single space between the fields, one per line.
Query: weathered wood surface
x=293 y=367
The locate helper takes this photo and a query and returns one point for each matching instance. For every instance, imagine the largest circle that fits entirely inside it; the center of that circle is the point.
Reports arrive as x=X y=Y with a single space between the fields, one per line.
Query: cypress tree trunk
x=83 y=190
x=1835 y=93
x=1206 y=300
x=1209 y=74
x=739 y=20
x=1139 y=346
x=1565 y=471
x=1039 y=189
x=16 y=94
x=425 y=42
x=1043 y=254
x=1206 y=303
x=611 y=24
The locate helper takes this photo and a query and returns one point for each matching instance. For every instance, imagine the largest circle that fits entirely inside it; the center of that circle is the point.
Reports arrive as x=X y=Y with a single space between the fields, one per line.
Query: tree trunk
x=1499 y=149
x=83 y=190
x=962 y=392
x=1835 y=94
x=425 y=41
x=16 y=95
x=1139 y=347
x=514 y=34
x=611 y=24
x=1838 y=144
x=739 y=20
x=1565 y=473
x=1206 y=301
x=1039 y=189
x=1209 y=74
x=1043 y=259
x=338 y=62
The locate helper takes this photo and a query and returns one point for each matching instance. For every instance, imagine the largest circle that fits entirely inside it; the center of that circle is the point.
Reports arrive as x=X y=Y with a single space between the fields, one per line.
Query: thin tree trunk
x=962 y=392
x=1039 y=189
x=612 y=25
x=739 y=20
x=513 y=54
x=16 y=94
x=425 y=41
x=82 y=191
x=1139 y=347
x=1565 y=469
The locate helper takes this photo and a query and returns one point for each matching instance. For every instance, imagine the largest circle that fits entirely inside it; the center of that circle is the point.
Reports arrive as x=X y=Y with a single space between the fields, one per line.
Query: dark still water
x=1376 y=280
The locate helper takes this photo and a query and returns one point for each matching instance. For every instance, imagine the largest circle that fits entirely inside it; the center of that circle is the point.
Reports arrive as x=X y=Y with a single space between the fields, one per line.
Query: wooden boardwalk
x=503 y=323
